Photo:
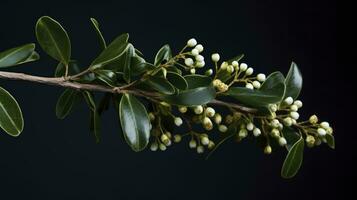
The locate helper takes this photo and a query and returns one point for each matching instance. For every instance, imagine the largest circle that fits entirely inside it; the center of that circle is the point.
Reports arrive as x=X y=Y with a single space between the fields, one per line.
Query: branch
x=233 y=105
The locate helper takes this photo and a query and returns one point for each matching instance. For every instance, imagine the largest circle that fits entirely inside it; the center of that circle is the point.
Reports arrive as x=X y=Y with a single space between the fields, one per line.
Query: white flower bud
x=249 y=71
x=205 y=140
x=275 y=133
x=195 y=52
x=275 y=123
x=230 y=69
x=256 y=84
x=164 y=138
x=210 y=112
x=250 y=126
x=222 y=128
x=329 y=130
x=268 y=149
x=288 y=121
x=294 y=115
x=289 y=100
x=313 y=119
x=217 y=118
x=216 y=82
x=198 y=110
x=200 y=64
x=256 y=132
x=282 y=141
x=183 y=109
x=243 y=66
x=211 y=145
x=177 y=138
x=193 y=71
x=207 y=123
x=294 y=108
x=191 y=42
x=310 y=140
x=199 y=47
x=189 y=62
x=224 y=65
x=162 y=147
x=200 y=149
x=215 y=57
x=235 y=64
x=325 y=125
x=209 y=72
x=298 y=103
x=321 y=131
x=199 y=58
x=178 y=121
x=151 y=116
x=193 y=144
x=249 y=86
x=261 y=77
x=154 y=146
x=243 y=133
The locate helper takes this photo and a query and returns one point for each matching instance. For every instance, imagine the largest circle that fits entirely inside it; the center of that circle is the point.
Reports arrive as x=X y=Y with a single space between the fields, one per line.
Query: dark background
x=55 y=159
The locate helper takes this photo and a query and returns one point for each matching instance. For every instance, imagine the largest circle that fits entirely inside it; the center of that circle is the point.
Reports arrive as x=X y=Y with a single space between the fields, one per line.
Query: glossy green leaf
x=272 y=91
x=18 y=55
x=94 y=115
x=164 y=54
x=160 y=84
x=177 y=80
x=73 y=68
x=65 y=103
x=102 y=42
x=330 y=139
x=53 y=39
x=11 y=120
x=293 y=160
x=195 y=81
x=112 y=52
x=192 y=97
x=293 y=82
x=138 y=66
x=291 y=136
x=134 y=122
x=107 y=76
x=127 y=63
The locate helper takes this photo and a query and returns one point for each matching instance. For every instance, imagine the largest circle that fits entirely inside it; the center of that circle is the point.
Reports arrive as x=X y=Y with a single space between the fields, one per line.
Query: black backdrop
x=55 y=159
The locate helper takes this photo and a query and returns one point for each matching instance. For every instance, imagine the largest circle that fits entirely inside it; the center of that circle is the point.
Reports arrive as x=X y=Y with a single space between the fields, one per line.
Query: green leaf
x=94 y=115
x=192 y=97
x=18 y=55
x=330 y=141
x=271 y=92
x=53 y=39
x=138 y=66
x=127 y=63
x=160 y=84
x=107 y=76
x=293 y=82
x=177 y=80
x=164 y=54
x=237 y=58
x=11 y=120
x=293 y=160
x=134 y=122
x=112 y=52
x=291 y=136
x=195 y=81
x=73 y=68
x=95 y=23
x=65 y=103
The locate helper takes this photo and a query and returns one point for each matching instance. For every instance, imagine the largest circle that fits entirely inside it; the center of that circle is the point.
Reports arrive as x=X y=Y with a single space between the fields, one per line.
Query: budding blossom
x=178 y=121
x=249 y=71
x=198 y=110
x=243 y=66
x=191 y=42
x=199 y=47
x=261 y=77
x=210 y=112
x=289 y=100
x=215 y=57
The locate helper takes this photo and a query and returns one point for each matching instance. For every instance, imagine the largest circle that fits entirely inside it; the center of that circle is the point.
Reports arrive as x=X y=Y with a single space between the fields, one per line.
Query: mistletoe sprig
x=151 y=99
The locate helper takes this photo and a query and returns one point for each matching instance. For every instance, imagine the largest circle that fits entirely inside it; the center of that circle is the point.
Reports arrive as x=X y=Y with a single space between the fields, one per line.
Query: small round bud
x=310 y=140
x=198 y=110
x=189 y=62
x=195 y=52
x=294 y=108
x=199 y=58
x=294 y=115
x=321 y=131
x=200 y=64
x=168 y=134
x=193 y=71
x=162 y=147
x=275 y=123
x=243 y=66
x=222 y=128
x=193 y=144
x=210 y=145
x=313 y=119
x=210 y=112
x=250 y=126
x=178 y=121
x=235 y=64
x=177 y=138
x=282 y=141
x=164 y=138
x=288 y=121
x=224 y=66
x=229 y=119
x=207 y=123
x=298 y=103
x=151 y=116
x=268 y=149
x=261 y=77
x=215 y=57
x=256 y=132
x=200 y=149
x=182 y=109
x=243 y=133
x=249 y=86
x=230 y=69
x=272 y=115
x=209 y=72
x=249 y=71
x=205 y=140
x=222 y=87
x=199 y=47
x=324 y=125
x=273 y=107
x=256 y=84
x=289 y=100
x=191 y=42
x=154 y=146
x=217 y=118
x=275 y=133
x=329 y=130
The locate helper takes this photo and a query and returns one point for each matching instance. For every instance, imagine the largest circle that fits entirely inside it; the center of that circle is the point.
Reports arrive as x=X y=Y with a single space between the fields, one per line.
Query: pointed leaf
x=330 y=141
x=293 y=160
x=237 y=58
x=53 y=39
x=107 y=77
x=11 y=120
x=65 y=103
x=94 y=115
x=17 y=55
x=160 y=84
x=192 y=97
x=95 y=23
x=195 y=81
x=293 y=82
x=164 y=54
x=177 y=80
x=291 y=136
x=127 y=63
x=33 y=57
x=134 y=122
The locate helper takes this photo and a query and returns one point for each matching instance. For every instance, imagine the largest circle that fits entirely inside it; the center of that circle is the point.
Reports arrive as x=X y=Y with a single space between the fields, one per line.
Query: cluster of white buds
x=162 y=143
x=324 y=128
x=200 y=142
x=199 y=60
x=220 y=86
